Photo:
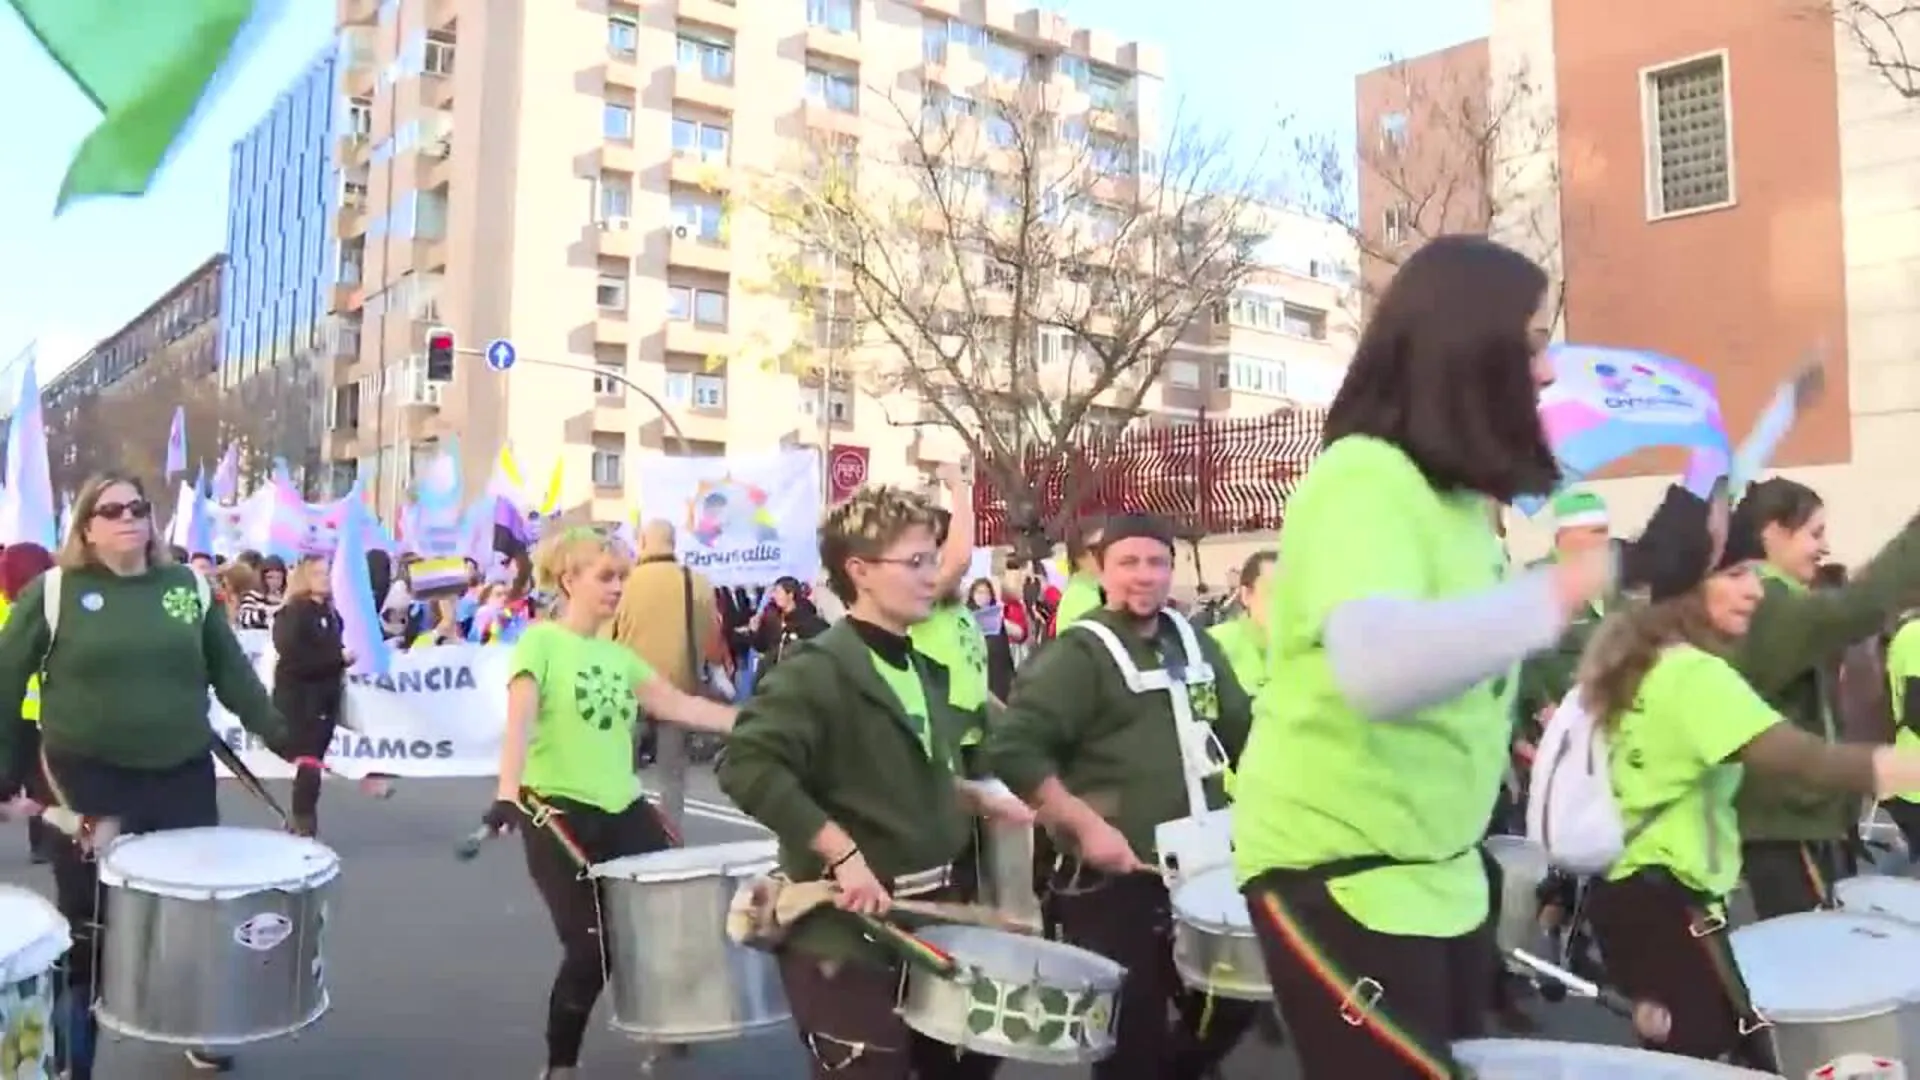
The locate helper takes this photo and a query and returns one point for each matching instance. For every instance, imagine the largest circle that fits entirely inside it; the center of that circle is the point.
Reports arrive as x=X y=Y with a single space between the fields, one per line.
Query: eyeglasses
x=138 y=510
x=917 y=562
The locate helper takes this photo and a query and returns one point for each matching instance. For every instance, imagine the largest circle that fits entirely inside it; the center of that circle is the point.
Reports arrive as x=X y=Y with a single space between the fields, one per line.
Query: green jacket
x=1791 y=656
x=824 y=739
x=1071 y=715
x=1546 y=677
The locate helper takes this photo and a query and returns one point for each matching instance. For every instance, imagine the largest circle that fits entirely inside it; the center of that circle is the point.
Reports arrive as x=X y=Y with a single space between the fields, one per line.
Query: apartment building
x=276 y=324
x=1732 y=184
x=562 y=181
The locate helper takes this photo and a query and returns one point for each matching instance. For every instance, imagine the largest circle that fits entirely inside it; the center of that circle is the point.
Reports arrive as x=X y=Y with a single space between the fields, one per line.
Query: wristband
x=843 y=859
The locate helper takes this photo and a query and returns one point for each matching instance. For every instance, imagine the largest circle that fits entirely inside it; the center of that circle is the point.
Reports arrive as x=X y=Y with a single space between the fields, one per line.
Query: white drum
x=676 y=976
x=1872 y=894
x=1214 y=948
x=214 y=937
x=1526 y=1059
x=1834 y=985
x=33 y=938
x=1523 y=866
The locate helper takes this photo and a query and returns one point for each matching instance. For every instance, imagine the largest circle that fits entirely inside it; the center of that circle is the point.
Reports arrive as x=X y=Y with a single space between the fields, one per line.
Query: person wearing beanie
x=1797 y=842
x=1104 y=765
x=1686 y=733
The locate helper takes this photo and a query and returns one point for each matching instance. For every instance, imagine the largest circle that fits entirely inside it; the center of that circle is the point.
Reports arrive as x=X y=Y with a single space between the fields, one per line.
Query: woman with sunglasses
x=124 y=727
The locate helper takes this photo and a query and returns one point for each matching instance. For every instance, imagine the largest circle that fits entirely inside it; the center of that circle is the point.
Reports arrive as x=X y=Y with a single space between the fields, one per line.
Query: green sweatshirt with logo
x=1791 y=657
x=1071 y=715
x=126 y=679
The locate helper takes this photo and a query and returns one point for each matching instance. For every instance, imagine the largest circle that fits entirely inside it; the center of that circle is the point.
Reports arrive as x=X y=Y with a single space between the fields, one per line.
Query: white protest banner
x=440 y=712
x=742 y=519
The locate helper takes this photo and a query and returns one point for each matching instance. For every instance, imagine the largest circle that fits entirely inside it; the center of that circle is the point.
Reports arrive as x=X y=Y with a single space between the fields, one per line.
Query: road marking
x=722 y=812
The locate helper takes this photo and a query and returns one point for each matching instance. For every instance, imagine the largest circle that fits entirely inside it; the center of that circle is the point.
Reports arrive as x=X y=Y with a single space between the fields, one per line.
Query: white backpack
x=50 y=606
x=1571 y=811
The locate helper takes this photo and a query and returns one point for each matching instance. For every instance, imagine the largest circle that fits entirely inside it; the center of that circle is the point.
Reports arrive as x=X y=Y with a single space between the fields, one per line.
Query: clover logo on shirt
x=1205 y=700
x=602 y=697
x=181 y=603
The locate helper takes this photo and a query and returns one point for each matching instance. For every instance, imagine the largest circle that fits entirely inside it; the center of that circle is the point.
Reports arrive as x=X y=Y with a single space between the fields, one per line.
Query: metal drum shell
x=939 y=1008
x=177 y=970
x=1006 y=864
x=1834 y=983
x=1216 y=955
x=676 y=977
x=1523 y=867
x=1528 y=1059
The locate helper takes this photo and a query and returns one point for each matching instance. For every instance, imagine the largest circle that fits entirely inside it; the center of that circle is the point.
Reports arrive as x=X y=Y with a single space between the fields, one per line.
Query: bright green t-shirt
x=1245 y=644
x=1673 y=753
x=582 y=745
x=1903 y=663
x=951 y=637
x=1319 y=782
x=1079 y=599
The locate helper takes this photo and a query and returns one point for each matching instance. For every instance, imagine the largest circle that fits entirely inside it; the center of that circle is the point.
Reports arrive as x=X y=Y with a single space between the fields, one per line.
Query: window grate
x=1691 y=135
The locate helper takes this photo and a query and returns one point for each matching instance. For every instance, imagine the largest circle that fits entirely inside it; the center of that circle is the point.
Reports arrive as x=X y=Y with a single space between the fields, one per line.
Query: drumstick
x=1609 y=999
x=470 y=847
x=249 y=780
x=966 y=914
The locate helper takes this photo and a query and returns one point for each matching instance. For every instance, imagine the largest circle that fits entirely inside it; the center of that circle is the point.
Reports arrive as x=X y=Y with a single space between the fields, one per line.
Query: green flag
x=146 y=64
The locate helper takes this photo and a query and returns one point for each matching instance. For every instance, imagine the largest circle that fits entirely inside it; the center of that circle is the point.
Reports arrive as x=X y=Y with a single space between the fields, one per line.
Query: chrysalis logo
x=1638 y=386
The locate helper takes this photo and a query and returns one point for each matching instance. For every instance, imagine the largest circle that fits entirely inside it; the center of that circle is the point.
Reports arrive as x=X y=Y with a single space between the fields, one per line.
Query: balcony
x=344 y=297
x=623 y=72
x=359 y=81
x=1107 y=117
x=350 y=220
x=357 y=12
x=1048 y=29
x=833 y=121
x=612 y=328
x=352 y=150
x=841 y=46
x=949 y=8
x=443 y=15
x=699 y=425
x=614 y=238
x=693 y=253
x=692 y=88
x=436 y=90
x=616 y=157
x=720 y=13
x=697 y=172
x=434 y=169
x=340 y=445
x=693 y=339
x=430 y=254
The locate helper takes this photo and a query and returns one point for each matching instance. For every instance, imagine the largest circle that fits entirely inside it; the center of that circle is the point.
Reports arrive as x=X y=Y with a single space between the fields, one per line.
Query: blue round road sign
x=501 y=354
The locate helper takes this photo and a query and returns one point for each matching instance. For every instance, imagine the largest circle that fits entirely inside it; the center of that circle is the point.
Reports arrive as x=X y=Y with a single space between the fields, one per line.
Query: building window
x=701 y=216
x=616 y=122
x=709 y=392
x=836 y=90
x=1255 y=375
x=1303 y=321
x=359 y=117
x=609 y=466
x=711 y=60
x=623 y=36
x=835 y=15
x=706 y=307
x=439 y=55
x=611 y=293
x=1396 y=224
x=1005 y=60
x=1393 y=132
x=1184 y=374
x=1689 y=139
x=608 y=379
x=701 y=139
x=1108 y=89
x=616 y=197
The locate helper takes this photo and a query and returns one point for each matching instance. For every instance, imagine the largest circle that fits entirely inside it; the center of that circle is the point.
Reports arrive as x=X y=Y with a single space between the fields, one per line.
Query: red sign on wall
x=846 y=470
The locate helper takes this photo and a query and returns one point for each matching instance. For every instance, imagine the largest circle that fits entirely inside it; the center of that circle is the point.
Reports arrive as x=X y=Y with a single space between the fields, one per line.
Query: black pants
x=1665 y=945
x=1787 y=877
x=562 y=840
x=310 y=738
x=144 y=800
x=1360 y=1003
x=846 y=1016
x=1166 y=1031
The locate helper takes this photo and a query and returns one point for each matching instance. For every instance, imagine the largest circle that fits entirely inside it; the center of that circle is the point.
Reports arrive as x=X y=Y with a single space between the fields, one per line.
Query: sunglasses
x=138 y=510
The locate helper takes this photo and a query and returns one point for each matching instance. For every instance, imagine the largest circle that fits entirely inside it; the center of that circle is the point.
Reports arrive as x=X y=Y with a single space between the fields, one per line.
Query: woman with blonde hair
x=1684 y=730
x=124 y=725
x=566 y=782
x=309 y=681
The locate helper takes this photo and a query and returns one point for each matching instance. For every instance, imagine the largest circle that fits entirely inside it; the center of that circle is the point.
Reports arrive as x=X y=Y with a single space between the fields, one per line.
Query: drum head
x=1526 y=1059
x=1210 y=900
x=1874 y=894
x=1828 y=966
x=33 y=936
x=739 y=858
x=1012 y=958
x=217 y=863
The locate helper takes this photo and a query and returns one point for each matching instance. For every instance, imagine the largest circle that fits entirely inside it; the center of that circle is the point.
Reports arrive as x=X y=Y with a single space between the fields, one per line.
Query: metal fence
x=1216 y=476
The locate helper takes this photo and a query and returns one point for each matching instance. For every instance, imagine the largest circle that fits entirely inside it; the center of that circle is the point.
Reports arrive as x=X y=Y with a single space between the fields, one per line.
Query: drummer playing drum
x=848 y=752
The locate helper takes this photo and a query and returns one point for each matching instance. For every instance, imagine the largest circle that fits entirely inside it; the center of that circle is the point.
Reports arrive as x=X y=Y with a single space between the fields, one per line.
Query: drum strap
x=550 y=818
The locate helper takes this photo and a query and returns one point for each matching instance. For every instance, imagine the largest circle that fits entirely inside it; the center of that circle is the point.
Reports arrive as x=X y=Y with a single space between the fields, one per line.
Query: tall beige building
x=556 y=175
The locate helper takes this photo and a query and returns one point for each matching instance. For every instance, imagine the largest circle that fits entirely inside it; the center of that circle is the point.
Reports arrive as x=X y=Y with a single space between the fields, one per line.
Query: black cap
x=1135 y=527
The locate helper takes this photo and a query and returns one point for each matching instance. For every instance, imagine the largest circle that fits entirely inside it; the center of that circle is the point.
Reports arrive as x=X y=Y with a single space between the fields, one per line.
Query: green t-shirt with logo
x=1673 y=752
x=582 y=745
x=1245 y=644
x=1079 y=599
x=1903 y=663
x=1319 y=782
x=911 y=692
x=951 y=637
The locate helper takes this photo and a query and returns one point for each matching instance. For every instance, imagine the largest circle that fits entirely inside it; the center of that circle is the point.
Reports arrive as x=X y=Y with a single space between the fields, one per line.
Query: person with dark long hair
x=1380 y=742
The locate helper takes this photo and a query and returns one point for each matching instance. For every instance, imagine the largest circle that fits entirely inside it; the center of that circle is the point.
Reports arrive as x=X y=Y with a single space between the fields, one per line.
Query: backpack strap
x=50 y=605
x=1138 y=682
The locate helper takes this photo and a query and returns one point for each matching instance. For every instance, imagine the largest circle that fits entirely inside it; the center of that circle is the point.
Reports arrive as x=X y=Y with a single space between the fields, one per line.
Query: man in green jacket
x=849 y=753
x=1104 y=766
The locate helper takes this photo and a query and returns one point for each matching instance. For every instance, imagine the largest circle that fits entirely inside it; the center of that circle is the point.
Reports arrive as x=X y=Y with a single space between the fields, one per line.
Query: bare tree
x=1879 y=29
x=1455 y=148
x=1005 y=271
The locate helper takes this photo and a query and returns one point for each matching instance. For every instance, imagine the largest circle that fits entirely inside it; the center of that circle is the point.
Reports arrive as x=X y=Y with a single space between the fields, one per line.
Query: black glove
x=504 y=816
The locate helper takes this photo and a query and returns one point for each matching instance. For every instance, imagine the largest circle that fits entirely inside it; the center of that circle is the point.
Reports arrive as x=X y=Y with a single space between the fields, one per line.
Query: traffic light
x=439 y=354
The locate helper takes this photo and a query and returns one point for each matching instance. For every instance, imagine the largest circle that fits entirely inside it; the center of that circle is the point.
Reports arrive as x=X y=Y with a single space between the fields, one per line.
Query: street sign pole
x=671 y=751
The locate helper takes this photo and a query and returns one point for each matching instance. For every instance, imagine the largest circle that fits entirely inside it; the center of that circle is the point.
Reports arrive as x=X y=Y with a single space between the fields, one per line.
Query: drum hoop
x=1105 y=982
x=290 y=886
x=731 y=870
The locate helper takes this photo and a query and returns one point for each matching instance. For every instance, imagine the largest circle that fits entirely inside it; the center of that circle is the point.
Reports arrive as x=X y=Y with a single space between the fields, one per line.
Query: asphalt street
x=440 y=968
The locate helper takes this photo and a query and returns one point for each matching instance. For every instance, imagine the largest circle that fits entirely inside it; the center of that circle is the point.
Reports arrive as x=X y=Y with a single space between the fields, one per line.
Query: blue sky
x=1247 y=65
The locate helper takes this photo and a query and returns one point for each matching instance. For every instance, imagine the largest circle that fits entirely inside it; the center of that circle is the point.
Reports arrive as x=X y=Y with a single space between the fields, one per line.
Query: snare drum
x=216 y=936
x=1015 y=997
x=1523 y=867
x=33 y=938
x=1526 y=1059
x=1214 y=949
x=1834 y=984
x=676 y=976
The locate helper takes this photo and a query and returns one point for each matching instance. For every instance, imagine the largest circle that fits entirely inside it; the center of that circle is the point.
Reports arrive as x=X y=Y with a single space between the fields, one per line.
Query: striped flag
x=226 y=478
x=177 y=443
x=148 y=67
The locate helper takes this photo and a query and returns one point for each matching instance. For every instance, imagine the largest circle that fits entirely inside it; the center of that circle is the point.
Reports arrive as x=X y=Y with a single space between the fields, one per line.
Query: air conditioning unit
x=681 y=232
x=615 y=224
x=439 y=148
